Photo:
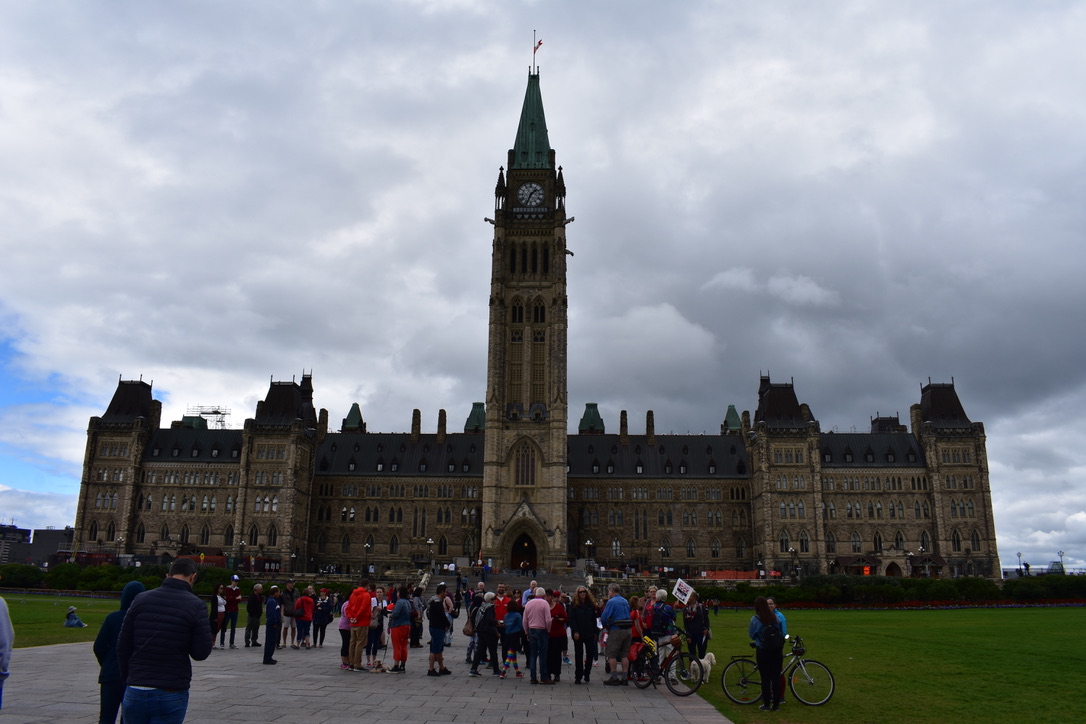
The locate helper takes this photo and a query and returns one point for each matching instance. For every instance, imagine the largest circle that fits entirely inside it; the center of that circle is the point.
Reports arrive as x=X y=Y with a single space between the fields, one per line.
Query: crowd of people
x=509 y=632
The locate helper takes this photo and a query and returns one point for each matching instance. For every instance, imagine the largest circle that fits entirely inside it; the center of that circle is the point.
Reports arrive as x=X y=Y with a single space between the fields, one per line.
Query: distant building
x=771 y=493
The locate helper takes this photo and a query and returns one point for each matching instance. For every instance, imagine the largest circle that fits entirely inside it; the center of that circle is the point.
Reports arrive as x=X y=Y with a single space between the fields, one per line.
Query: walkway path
x=59 y=684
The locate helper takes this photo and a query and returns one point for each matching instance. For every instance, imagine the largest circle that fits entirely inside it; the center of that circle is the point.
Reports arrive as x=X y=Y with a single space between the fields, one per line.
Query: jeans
x=584 y=654
x=271 y=638
x=537 y=653
x=231 y=620
x=112 y=695
x=154 y=706
x=252 y=629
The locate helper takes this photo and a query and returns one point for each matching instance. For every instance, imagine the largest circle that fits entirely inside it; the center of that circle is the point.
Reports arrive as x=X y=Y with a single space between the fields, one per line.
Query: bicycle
x=681 y=672
x=810 y=681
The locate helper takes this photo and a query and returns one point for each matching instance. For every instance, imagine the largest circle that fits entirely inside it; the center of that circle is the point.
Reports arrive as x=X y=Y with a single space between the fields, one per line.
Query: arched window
x=204 y=504
x=184 y=538
x=899 y=541
x=857 y=544
x=831 y=543
x=785 y=541
x=205 y=535
x=691 y=548
x=254 y=534
x=925 y=541
x=524 y=464
x=150 y=501
x=164 y=534
x=616 y=548
x=876 y=542
x=228 y=536
x=804 y=542
x=974 y=540
x=394 y=545
x=230 y=504
x=956 y=541
x=539 y=312
x=214 y=501
x=275 y=504
x=273 y=536
x=141 y=533
x=345 y=544
x=714 y=548
x=92 y=531
x=322 y=543
x=442 y=546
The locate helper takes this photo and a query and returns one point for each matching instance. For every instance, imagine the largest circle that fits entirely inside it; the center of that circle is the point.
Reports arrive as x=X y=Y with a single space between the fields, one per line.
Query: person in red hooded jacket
x=359 y=613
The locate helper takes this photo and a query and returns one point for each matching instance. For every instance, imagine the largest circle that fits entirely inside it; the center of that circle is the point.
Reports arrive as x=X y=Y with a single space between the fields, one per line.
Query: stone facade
x=771 y=493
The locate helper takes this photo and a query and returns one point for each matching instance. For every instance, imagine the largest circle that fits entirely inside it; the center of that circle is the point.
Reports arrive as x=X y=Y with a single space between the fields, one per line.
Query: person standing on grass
x=784 y=627
x=764 y=628
x=105 y=650
x=164 y=630
x=696 y=623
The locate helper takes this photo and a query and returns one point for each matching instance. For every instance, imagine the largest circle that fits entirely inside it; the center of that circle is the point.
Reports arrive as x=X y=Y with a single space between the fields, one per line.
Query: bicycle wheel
x=811 y=682
x=642 y=669
x=684 y=674
x=741 y=681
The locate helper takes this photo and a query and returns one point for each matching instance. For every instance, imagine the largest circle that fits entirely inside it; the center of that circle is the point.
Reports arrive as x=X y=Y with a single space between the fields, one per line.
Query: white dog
x=707 y=665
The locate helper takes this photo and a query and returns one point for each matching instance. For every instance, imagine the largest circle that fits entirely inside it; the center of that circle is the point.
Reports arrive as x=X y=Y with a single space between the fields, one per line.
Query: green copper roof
x=354 y=421
x=476 y=421
x=532 y=147
x=591 y=422
x=732 y=423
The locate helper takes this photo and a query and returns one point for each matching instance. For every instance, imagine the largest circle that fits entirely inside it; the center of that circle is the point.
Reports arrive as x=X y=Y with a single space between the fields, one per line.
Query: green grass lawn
x=39 y=620
x=959 y=666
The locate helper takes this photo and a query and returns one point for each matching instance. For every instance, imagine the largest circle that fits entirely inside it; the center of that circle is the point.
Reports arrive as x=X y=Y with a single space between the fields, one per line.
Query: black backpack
x=772 y=638
x=435 y=612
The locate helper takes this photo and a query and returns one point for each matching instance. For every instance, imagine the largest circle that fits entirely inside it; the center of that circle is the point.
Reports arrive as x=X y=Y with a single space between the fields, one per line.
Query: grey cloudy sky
x=855 y=195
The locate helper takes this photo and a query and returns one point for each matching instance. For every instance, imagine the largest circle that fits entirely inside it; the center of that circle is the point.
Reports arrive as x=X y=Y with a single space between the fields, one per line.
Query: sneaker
x=566 y=661
x=233 y=646
x=520 y=674
x=501 y=676
x=612 y=682
x=473 y=672
x=269 y=663
x=444 y=672
x=432 y=672
x=344 y=666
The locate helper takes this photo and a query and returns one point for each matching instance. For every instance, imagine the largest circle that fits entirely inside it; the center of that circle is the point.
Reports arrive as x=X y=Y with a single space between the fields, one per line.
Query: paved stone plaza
x=59 y=684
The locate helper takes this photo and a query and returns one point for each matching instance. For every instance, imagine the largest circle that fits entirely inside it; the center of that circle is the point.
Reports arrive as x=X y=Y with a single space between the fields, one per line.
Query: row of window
x=663 y=492
x=869 y=456
x=830 y=482
x=957 y=455
x=921 y=509
x=799 y=482
x=965 y=481
x=175 y=452
x=190 y=477
x=665 y=518
x=113 y=450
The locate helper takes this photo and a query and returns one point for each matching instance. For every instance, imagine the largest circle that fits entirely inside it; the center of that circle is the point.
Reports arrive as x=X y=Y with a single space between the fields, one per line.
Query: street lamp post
x=795 y=563
x=293 y=558
x=1019 y=563
x=366 y=548
x=662 y=550
x=430 y=543
x=1059 y=553
x=909 y=562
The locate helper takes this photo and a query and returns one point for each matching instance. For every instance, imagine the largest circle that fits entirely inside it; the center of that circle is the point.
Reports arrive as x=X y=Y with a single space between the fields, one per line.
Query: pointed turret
x=532 y=148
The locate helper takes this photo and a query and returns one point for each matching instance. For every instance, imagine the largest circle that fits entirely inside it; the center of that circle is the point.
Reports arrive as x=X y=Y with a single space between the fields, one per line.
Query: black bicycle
x=810 y=681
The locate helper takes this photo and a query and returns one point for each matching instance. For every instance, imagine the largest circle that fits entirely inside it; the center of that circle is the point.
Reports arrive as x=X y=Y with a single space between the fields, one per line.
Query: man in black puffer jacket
x=163 y=628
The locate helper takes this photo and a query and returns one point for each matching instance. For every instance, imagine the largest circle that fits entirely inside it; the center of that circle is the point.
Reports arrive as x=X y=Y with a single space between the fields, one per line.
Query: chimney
x=416 y=425
x=623 y=429
x=650 y=428
x=440 y=427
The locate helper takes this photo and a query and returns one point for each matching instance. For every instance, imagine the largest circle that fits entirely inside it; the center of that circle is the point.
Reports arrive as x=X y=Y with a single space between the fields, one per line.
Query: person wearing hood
x=105 y=650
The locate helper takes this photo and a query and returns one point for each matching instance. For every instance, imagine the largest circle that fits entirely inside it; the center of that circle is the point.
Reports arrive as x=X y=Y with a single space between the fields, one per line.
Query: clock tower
x=524 y=469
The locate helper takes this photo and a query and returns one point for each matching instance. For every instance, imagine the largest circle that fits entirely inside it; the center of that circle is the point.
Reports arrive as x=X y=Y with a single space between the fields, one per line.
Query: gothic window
x=345 y=544
x=205 y=535
x=899 y=541
x=184 y=538
x=857 y=544
x=443 y=546
x=741 y=548
x=785 y=541
x=714 y=548
x=517 y=312
x=98 y=501
x=141 y=532
x=539 y=312
x=273 y=536
x=804 y=542
x=253 y=535
x=616 y=548
x=204 y=504
x=394 y=545
x=956 y=541
x=322 y=543
x=691 y=548
x=230 y=504
x=524 y=464
x=876 y=542
x=784 y=509
x=228 y=536
x=925 y=541
x=831 y=543
x=974 y=540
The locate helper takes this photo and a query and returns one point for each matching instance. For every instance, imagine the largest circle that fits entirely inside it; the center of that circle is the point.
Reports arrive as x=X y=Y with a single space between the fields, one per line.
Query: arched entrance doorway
x=893 y=570
x=523 y=552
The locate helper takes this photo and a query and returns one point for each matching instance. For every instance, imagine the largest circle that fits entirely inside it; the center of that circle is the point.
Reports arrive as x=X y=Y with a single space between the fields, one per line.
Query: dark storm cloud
x=858 y=197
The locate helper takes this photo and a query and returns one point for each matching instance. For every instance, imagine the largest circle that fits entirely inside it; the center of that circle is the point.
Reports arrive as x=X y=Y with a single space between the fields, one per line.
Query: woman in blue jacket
x=765 y=628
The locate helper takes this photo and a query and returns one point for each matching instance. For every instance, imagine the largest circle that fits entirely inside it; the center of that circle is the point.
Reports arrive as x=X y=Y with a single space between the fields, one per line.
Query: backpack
x=435 y=612
x=772 y=638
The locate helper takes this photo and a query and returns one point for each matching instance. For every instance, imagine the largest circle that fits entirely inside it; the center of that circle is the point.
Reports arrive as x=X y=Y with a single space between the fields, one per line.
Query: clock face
x=530 y=194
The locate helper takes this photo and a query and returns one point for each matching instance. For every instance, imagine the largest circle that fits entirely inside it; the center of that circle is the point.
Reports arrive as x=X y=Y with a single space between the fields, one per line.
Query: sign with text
x=682 y=590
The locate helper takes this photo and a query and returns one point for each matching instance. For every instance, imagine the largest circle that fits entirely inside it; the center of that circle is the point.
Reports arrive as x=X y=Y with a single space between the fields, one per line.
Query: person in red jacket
x=557 y=646
x=359 y=614
x=232 y=594
x=303 y=615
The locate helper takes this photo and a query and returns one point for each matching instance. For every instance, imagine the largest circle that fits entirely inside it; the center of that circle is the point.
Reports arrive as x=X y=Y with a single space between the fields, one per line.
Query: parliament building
x=771 y=495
